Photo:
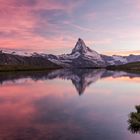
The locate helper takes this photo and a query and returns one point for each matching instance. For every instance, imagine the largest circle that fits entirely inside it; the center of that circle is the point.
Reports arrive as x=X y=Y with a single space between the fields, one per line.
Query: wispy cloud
x=50 y=25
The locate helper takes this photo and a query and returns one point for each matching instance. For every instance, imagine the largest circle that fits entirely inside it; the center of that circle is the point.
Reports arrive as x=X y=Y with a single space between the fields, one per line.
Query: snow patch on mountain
x=21 y=53
x=93 y=55
x=70 y=56
x=120 y=58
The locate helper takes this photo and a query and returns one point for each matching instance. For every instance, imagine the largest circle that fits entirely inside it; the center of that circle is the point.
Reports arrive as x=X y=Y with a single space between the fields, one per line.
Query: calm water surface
x=68 y=105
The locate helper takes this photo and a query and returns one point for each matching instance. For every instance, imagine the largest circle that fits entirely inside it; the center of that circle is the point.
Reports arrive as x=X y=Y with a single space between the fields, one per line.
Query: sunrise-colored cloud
x=54 y=26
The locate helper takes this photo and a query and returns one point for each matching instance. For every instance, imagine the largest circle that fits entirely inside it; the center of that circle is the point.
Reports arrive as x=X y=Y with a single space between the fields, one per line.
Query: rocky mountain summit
x=80 y=57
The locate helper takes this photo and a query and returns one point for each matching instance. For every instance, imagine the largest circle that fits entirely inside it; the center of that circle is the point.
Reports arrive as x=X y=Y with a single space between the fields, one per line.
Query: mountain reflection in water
x=45 y=105
x=81 y=78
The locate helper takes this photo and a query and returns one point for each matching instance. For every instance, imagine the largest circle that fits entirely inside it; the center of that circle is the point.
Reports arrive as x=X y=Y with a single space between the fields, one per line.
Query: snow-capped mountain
x=120 y=60
x=81 y=56
x=114 y=60
x=20 y=61
x=133 y=58
x=20 y=53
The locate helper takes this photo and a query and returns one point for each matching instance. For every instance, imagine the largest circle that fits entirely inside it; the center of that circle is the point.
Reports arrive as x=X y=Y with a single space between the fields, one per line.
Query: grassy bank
x=8 y=68
x=130 y=67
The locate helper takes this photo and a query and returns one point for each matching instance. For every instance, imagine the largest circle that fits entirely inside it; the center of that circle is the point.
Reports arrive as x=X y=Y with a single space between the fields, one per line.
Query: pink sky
x=54 y=26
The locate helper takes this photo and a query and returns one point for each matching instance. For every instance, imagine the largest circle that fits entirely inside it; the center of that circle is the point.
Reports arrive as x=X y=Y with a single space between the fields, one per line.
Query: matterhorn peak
x=81 y=42
x=80 y=46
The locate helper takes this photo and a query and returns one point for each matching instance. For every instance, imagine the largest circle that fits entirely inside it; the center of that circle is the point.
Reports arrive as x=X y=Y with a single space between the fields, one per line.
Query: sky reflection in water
x=47 y=105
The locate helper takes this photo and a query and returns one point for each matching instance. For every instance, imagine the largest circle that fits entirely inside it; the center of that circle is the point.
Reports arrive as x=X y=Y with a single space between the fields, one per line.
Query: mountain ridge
x=81 y=56
x=86 y=57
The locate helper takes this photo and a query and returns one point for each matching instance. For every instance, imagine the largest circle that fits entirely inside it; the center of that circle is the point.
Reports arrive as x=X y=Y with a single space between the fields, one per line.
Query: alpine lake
x=78 y=104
